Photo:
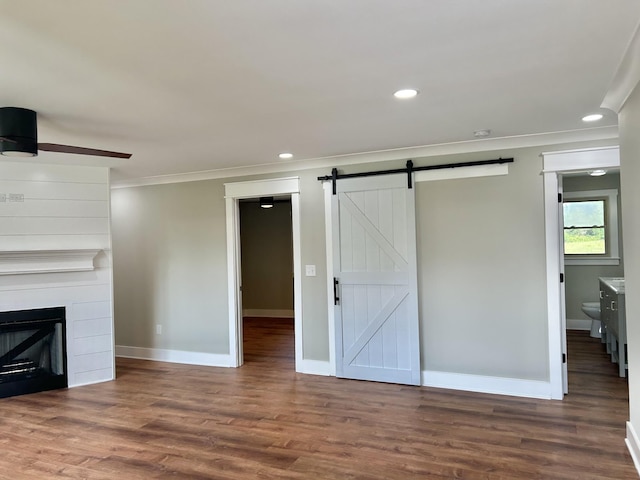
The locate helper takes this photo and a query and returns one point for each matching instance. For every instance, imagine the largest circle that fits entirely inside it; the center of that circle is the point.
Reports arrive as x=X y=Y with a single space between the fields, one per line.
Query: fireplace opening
x=33 y=355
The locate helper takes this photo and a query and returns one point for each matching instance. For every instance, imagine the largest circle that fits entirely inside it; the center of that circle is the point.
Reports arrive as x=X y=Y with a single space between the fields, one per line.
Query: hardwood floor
x=161 y=421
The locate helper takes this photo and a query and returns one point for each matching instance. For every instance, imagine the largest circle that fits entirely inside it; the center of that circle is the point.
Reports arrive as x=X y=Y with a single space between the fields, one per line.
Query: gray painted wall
x=170 y=267
x=481 y=266
x=267 y=256
x=629 y=121
x=482 y=276
x=581 y=283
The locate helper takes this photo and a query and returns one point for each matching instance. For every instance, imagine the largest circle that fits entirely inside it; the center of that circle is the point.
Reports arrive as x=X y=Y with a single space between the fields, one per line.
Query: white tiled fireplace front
x=86 y=296
x=55 y=251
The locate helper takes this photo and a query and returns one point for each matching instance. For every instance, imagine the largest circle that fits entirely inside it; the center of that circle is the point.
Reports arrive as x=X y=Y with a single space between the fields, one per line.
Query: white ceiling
x=198 y=85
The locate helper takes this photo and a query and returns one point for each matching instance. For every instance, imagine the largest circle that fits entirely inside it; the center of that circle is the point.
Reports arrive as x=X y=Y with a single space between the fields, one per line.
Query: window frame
x=612 y=242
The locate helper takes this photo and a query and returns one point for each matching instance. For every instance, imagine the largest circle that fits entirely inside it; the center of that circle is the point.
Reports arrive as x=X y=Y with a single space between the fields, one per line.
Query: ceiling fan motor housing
x=20 y=126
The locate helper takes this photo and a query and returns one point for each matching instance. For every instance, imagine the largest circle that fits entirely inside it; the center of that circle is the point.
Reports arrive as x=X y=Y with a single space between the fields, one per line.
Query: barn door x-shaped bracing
x=376 y=306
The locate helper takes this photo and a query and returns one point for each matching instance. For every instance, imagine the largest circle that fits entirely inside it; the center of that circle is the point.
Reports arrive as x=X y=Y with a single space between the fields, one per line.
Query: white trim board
x=314 y=367
x=482 y=384
x=328 y=226
x=175 y=356
x=272 y=186
x=461 y=172
x=633 y=444
x=581 y=160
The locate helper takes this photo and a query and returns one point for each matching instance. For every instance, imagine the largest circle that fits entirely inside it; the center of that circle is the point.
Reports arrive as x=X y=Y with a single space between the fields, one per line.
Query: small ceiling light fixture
x=406 y=93
x=285 y=155
x=266 y=202
x=597 y=173
x=484 y=133
x=594 y=117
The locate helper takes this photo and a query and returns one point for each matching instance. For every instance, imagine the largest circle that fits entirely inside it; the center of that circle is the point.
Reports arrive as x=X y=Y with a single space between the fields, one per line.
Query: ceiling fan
x=19 y=137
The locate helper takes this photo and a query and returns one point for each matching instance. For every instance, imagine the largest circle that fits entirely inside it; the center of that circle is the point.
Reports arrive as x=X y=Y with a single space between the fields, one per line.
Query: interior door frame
x=555 y=164
x=331 y=318
x=252 y=189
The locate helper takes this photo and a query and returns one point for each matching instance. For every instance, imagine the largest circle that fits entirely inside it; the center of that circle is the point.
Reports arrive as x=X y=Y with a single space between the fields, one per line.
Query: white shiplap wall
x=65 y=207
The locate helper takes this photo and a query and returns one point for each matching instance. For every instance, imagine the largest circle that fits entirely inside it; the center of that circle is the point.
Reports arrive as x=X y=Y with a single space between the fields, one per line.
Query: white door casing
x=251 y=189
x=375 y=265
x=555 y=163
x=563 y=302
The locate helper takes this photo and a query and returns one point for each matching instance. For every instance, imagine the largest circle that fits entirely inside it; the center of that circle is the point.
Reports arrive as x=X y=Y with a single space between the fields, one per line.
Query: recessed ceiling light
x=284 y=156
x=597 y=173
x=594 y=117
x=406 y=93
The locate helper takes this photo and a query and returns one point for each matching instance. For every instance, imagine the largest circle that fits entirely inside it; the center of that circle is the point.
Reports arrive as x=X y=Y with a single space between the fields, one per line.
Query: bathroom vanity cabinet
x=614 y=324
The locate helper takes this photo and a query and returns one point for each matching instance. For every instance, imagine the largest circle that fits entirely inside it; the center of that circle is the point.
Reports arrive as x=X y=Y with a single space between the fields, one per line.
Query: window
x=584 y=227
x=591 y=227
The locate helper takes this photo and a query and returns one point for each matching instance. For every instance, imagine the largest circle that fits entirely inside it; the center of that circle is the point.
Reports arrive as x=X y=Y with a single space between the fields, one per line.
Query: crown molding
x=627 y=75
x=470 y=146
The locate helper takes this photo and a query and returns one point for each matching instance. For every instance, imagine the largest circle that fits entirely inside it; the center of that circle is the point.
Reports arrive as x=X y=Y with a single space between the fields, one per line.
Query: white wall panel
x=52 y=242
x=90 y=310
x=56 y=190
x=55 y=208
x=64 y=207
x=90 y=361
x=52 y=173
x=45 y=226
x=91 y=327
x=93 y=344
x=91 y=376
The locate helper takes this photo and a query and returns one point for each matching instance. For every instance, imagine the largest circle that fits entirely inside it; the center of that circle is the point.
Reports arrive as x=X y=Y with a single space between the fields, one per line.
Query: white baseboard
x=633 y=444
x=314 y=367
x=262 y=312
x=175 y=356
x=578 y=324
x=482 y=384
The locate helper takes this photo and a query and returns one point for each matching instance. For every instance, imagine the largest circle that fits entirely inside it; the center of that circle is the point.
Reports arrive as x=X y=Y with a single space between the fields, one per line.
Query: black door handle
x=336 y=298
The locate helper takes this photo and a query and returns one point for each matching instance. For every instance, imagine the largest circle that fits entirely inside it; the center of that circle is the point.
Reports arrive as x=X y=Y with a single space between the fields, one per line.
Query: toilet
x=592 y=310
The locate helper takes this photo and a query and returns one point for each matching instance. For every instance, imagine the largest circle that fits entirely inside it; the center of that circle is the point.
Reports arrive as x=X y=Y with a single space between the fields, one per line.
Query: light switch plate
x=310 y=270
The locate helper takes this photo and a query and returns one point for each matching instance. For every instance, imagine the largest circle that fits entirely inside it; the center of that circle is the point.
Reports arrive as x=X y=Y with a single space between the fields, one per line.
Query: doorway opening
x=234 y=194
x=592 y=233
x=560 y=166
x=267 y=281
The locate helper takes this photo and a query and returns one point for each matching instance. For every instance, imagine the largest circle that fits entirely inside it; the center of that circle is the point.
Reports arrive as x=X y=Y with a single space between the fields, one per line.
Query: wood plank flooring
x=168 y=421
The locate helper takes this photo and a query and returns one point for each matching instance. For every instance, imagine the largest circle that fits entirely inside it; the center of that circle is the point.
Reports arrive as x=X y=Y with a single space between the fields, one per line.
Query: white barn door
x=376 y=302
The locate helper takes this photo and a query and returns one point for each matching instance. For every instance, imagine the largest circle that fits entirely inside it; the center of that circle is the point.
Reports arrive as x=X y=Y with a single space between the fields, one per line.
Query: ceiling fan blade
x=54 y=147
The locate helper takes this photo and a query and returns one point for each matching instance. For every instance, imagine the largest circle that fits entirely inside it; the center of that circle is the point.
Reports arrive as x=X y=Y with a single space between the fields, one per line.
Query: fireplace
x=33 y=354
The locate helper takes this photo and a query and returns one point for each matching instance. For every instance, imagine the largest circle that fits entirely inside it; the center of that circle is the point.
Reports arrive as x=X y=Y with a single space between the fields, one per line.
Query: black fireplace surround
x=33 y=350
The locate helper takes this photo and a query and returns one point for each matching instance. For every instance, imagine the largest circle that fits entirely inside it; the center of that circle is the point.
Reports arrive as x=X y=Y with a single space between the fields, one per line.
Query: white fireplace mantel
x=19 y=262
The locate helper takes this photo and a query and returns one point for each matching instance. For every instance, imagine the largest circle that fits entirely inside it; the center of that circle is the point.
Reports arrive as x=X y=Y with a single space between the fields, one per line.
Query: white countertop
x=615 y=283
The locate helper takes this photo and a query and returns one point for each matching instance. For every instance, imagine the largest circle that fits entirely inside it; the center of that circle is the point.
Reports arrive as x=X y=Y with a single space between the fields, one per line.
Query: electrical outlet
x=158 y=329
x=16 y=197
x=310 y=270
